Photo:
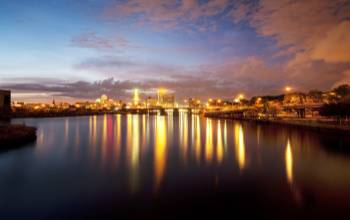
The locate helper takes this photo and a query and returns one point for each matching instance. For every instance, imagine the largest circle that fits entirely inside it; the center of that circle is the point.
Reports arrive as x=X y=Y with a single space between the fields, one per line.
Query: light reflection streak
x=41 y=137
x=104 y=138
x=77 y=139
x=258 y=135
x=90 y=130
x=219 y=146
x=160 y=156
x=132 y=152
x=143 y=146
x=225 y=135
x=184 y=136
x=192 y=132
x=117 y=137
x=209 y=141
x=135 y=153
x=94 y=134
x=289 y=162
x=239 y=146
x=66 y=131
x=198 y=139
x=170 y=122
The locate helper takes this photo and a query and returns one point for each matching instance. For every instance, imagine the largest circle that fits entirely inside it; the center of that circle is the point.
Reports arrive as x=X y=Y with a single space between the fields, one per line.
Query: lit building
x=151 y=102
x=104 y=99
x=165 y=99
x=136 y=97
x=194 y=103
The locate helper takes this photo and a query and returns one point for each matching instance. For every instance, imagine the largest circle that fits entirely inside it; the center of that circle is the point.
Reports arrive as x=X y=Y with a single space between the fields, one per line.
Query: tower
x=136 y=98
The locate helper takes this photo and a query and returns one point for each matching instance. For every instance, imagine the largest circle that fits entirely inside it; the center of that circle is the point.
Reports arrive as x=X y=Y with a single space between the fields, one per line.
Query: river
x=173 y=167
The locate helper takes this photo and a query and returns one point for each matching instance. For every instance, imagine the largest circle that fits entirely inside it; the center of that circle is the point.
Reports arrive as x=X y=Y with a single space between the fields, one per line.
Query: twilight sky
x=78 y=50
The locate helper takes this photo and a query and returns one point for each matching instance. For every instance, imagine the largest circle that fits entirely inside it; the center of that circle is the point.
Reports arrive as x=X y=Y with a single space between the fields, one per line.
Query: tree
x=340 y=110
x=316 y=95
x=342 y=90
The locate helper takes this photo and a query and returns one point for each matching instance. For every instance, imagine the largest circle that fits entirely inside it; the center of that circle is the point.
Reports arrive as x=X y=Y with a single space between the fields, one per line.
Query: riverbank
x=15 y=135
x=42 y=114
x=54 y=114
x=313 y=124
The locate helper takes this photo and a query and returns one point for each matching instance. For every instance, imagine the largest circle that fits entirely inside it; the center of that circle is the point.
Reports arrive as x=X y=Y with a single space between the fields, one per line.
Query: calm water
x=172 y=167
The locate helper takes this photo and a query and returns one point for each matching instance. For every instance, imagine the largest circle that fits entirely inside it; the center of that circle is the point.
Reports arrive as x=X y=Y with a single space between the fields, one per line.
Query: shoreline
x=13 y=136
x=304 y=123
x=299 y=123
x=75 y=114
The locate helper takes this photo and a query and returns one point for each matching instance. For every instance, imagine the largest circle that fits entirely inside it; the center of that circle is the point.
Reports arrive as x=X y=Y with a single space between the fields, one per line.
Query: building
x=165 y=99
x=193 y=103
x=5 y=102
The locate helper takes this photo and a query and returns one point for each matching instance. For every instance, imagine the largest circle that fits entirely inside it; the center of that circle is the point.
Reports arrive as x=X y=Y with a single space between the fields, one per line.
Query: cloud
x=335 y=47
x=251 y=76
x=169 y=14
x=94 y=41
x=124 y=68
x=310 y=30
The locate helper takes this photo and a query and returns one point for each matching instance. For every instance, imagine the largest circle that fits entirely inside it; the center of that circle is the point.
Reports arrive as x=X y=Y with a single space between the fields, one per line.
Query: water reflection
x=114 y=157
x=104 y=139
x=225 y=136
x=209 y=141
x=219 y=146
x=133 y=150
x=198 y=139
x=160 y=153
x=66 y=130
x=239 y=146
x=183 y=130
x=117 y=137
x=289 y=162
x=144 y=140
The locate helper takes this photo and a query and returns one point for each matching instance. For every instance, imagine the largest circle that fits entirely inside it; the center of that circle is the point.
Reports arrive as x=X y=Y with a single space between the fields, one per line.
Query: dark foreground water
x=174 y=167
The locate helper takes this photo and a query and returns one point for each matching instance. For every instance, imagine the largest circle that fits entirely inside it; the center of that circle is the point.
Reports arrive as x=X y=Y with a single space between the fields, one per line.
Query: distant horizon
x=143 y=96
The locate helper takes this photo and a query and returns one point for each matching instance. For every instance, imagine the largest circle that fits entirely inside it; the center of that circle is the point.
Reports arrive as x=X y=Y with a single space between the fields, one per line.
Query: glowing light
x=66 y=130
x=104 y=137
x=219 y=146
x=198 y=139
x=160 y=151
x=136 y=98
x=289 y=162
x=288 y=88
x=132 y=150
x=118 y=136
x=239 y=146
x=209 y=141
x=184 y=135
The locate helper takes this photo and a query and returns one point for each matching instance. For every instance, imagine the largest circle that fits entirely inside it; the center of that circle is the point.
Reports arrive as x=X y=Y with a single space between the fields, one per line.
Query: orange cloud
x=314 y=29
x=335 y=47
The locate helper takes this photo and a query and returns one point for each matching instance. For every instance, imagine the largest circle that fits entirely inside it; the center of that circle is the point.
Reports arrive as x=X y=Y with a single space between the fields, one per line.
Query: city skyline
x=220 y=48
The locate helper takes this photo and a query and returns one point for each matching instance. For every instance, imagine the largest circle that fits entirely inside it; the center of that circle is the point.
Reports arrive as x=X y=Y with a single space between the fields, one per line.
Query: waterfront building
x=5 y=102
x=194 y=103
x=165 y=99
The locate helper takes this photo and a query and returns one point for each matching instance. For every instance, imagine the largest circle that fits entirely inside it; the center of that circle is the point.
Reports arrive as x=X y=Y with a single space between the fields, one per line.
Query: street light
x=288 y=89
